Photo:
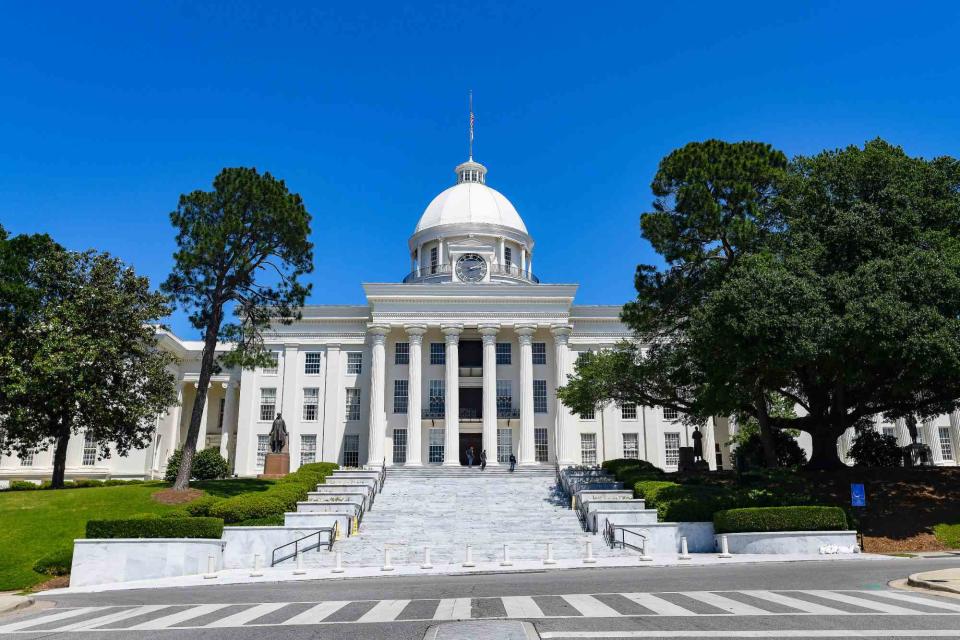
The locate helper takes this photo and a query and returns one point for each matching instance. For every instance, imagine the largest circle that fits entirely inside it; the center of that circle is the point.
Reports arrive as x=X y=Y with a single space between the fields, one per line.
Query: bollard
x=589 y=559
x=469 y=562
x=549 y=559
x=386 y=560
x=299 y=571
x=211 y=568
x=338 y=568
x=426 y=558
x=724 y=548
x=643 y=553
x=506 y=557
x=684 y=555
x=256 y=573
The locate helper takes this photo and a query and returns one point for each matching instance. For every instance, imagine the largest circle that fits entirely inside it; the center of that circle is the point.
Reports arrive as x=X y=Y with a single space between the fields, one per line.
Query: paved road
x=797 y=600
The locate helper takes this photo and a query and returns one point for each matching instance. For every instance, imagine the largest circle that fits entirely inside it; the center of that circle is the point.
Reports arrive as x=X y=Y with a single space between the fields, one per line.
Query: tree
x=873 y=449
x=83 y=356
x=241 y=249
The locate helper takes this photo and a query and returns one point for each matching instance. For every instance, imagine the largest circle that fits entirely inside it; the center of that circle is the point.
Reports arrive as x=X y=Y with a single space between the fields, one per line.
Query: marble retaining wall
x=789 y=542
x=243 y=542
x=107 y=560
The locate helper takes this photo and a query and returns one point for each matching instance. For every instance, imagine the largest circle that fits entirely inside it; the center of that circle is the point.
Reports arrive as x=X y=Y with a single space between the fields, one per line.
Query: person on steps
x=513 y=462
x=470 y=457
x=483 y=460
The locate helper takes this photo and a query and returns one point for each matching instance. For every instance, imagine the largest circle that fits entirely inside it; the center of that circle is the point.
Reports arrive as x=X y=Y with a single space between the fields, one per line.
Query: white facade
x=467 y=350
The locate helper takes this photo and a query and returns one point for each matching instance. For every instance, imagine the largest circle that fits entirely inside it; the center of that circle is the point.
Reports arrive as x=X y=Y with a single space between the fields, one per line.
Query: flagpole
x=471 y=125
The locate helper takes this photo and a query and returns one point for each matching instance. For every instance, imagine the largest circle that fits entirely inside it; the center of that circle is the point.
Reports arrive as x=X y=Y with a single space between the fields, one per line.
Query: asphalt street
x=795 y=600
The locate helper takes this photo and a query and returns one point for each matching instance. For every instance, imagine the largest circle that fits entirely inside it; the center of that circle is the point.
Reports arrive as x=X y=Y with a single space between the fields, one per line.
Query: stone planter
x=789 y=542
x=107 y=560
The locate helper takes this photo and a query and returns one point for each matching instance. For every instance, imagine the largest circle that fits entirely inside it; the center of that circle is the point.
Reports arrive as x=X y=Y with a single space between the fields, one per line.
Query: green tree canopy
x=241 y=249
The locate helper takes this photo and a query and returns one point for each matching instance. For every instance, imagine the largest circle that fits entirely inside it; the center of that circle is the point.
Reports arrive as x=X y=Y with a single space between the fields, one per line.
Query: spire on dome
x=471 y=126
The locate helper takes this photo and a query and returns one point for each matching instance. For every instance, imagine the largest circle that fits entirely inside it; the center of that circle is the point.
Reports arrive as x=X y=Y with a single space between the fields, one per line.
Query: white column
x=709 y=443
x=526 y=394
x=523 y=259
x=173 y=440
x=561 y=444
x=414 y=390
x=333 y=404
x=489 y=333
x=288 y=403
x=503 y=258
x=451 y=441
x=378 y=416
x=931 y=437
x=229 y=420
x=202 y=435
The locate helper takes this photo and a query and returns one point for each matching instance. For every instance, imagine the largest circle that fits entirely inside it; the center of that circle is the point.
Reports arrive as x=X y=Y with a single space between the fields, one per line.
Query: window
x=503 y=353
x=401 y=353
x=437 y=400
x=628 y=411
x=27 y=459
x=308 y=449
x=89 y=450
x=539 y=353
x=220 y=412
x=353 y=403
x=539 y=396
x=434 y=259
x=946 y=445
x=355 y=362
x=507 y=257
x=268 y=404
x=400 y=396
x=263 y=446
x=271 y=369
x=435 y=447
x=889 y=431
x=718 y=455
x=631 y=447
x=311 y=363
x=438 y=354
x=351 y=451
x=311 y=403
x=540 y=446
x=399 y=446
x=504 y=445
x=588 y=448
x=504 y=398
x=589 y=415
x=671 y=447
x=670 y=414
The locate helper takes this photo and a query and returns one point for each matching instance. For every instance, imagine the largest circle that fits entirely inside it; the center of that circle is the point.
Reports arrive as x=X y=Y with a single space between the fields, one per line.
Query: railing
x=442 y=270
x=471 y=372
x=306 y=543
x=383 y=476
x=610 y=535
x=467 y=413
x=508 y=412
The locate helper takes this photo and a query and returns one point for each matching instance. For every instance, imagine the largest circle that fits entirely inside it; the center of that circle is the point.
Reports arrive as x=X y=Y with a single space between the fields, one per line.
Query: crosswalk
x=155 y=617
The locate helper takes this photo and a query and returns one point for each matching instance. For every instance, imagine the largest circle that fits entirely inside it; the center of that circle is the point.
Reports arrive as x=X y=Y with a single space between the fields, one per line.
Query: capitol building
x=466 y=351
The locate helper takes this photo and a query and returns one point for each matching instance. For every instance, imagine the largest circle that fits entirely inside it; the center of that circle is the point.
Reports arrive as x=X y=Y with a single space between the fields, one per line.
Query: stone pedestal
x=276 y=465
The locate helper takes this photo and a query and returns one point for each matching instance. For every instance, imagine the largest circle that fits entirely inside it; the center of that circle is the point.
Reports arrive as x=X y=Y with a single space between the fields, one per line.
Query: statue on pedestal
x=278 y=435
x=697 y=444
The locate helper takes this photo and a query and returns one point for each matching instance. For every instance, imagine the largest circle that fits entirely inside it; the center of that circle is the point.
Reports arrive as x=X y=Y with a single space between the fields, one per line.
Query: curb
x=916 y=580
x=9 y=604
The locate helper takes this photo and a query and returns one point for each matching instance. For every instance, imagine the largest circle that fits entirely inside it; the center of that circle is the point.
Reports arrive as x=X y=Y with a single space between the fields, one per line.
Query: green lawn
x=37 y=522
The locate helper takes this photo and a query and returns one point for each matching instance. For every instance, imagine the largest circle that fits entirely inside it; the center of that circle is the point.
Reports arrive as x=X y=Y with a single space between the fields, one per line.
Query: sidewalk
x=10 y=602
x=947 y=580
x=287 y=572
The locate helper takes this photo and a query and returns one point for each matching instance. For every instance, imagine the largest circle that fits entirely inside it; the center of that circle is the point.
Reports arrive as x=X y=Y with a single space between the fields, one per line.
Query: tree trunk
x=207 y=361
x=766 y=434
x=60 y=458
x=825 y=456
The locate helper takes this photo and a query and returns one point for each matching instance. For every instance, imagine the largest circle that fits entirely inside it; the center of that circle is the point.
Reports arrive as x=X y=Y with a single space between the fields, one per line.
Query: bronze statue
x=697 y=444
x=278 y=435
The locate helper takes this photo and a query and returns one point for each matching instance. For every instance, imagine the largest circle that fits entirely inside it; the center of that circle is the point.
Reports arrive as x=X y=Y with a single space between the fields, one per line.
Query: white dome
x=470 y=202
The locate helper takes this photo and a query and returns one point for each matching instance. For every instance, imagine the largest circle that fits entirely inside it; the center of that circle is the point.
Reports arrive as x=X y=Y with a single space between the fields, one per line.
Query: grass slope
x=36 y=522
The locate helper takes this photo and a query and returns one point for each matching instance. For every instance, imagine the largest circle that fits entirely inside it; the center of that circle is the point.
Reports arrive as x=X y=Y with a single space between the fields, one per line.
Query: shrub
x=115 y=482
x=156 y=528
x=56 y=562
x=208 y=464
x=200 y=507
x=648 y=490
x=797 y=518
x=271 y=504
x=248 y=506
x=750 y=450
x=272 y=521
x=173 y=465
x=873 y=449
x=290 y=494
x=23 y=485
x=948 y=534
x=85 y=483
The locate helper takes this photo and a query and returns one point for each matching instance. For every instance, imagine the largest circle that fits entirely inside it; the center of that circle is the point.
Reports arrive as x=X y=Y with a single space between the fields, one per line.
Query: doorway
x=467 y=440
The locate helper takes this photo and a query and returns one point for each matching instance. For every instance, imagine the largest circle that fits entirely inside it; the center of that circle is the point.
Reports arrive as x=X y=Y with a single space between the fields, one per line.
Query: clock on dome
x=471 y=268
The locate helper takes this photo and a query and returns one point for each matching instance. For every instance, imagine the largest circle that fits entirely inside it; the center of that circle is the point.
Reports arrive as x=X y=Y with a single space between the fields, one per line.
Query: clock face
x=471 y=268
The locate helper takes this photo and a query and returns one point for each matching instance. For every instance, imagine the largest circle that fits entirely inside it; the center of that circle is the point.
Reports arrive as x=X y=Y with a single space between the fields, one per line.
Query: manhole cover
x=483 y=630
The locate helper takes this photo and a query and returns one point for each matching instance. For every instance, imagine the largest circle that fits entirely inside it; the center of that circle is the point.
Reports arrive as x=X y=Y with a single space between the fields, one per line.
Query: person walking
x=470 y=457
x=513 y=462
x=483 y=460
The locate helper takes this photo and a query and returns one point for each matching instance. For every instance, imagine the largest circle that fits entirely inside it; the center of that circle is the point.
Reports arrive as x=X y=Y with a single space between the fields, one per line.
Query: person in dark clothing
x=513 y=462
x=470 y=456
x=483 y=460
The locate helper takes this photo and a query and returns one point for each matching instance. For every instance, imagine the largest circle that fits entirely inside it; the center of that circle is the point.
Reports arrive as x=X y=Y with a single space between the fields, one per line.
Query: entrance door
x=468 y=439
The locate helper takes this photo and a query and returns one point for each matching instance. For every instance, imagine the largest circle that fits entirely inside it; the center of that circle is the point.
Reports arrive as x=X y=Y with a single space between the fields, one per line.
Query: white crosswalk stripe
x=202 y=616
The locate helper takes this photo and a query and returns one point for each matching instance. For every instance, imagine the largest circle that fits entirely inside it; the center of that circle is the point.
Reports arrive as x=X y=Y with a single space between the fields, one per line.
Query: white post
x=724 y=548
x=378 y=416
x=451 y=440
x=506 y=557
x=211 y=568
x=386 y=560
x=426 y=558
x=526 y=456
x=338 y=568
x=489 y=438
x=469 y=561
x=684 y=555
x=549 y=559
x=589 y=559
x=414 y=393
x=299 y=571
x=643 y=552
x=256 y=573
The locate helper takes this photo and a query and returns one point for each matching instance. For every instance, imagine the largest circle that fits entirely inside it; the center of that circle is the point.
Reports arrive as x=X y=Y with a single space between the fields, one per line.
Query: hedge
x=56 y=562
x=797 y=518
x=648 y=490
x=156 y=528
x=271 y=504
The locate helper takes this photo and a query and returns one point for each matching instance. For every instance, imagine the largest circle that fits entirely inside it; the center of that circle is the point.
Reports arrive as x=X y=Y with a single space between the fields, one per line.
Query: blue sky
x=109 y=111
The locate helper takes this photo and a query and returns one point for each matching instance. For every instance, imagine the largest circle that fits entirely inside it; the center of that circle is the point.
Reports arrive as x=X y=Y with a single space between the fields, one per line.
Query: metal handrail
x=610 y=535
x=296 y=544
x=467 y=413
x=431 y=271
